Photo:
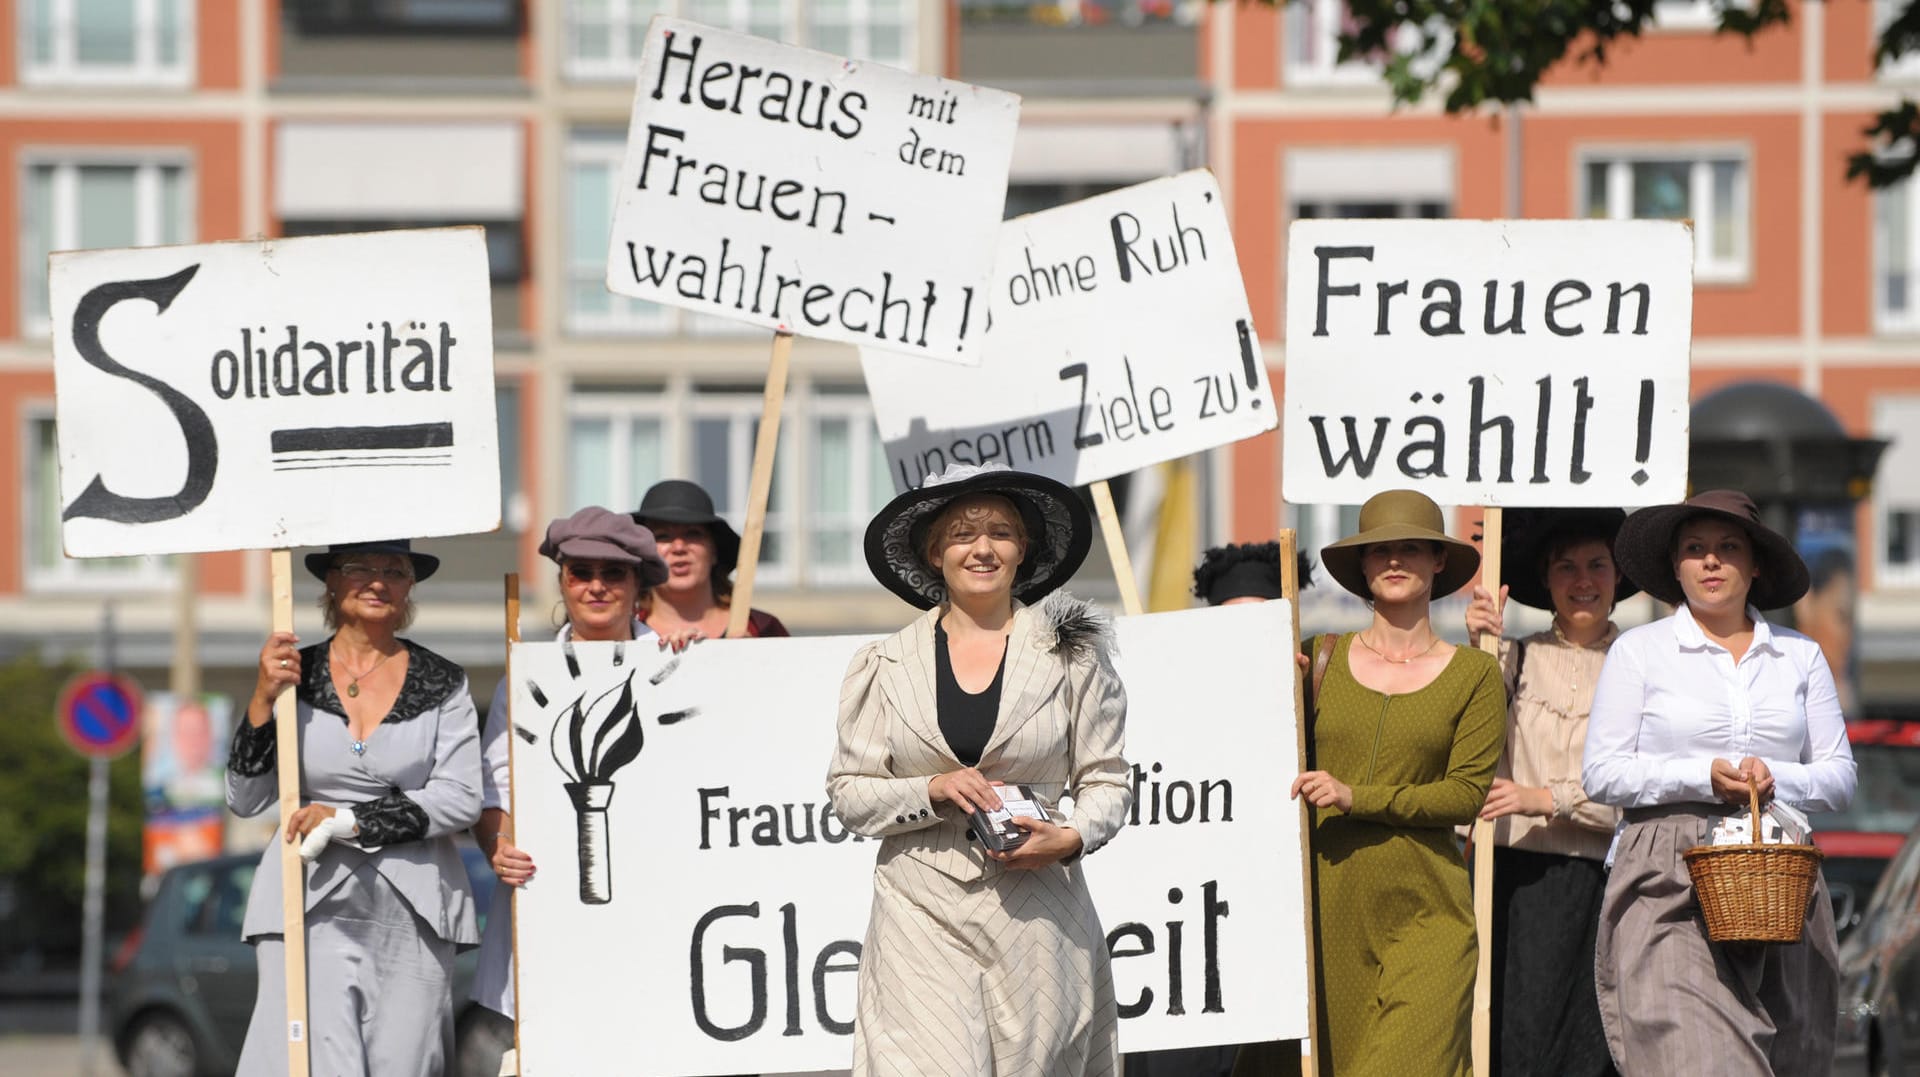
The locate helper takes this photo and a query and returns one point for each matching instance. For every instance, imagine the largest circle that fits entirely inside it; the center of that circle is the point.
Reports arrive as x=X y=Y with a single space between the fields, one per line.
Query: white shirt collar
x=1690 y=636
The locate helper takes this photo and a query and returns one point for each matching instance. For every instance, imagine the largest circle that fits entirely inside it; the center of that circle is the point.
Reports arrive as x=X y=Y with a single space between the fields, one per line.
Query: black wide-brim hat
x=1644 y=549
x=1390 y=516
x=1059 y=532
x=678 y=501
x=1530 y=534
x=424 y=564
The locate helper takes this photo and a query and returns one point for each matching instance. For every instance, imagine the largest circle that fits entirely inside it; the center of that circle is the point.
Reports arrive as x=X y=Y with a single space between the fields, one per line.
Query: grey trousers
x=378 y=983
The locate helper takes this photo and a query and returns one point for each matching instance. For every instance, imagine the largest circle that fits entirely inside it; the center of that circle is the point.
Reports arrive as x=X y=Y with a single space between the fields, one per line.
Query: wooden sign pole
x=513 y=904
x=1483 y=839
x=763 y=449
x=1290 y=590
x=293 y=872
x=1117 y=547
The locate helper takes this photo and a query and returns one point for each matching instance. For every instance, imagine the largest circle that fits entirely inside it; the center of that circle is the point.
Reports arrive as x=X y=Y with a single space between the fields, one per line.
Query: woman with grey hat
x=605 y=561
x=1550 y=840
x=1692 y=711
x=389 y=774
x=1406 y=731
x=983 y=960
x=701 y=551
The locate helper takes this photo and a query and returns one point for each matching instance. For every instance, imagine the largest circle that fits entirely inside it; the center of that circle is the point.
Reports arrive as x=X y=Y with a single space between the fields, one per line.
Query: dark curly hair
x=1250 y=569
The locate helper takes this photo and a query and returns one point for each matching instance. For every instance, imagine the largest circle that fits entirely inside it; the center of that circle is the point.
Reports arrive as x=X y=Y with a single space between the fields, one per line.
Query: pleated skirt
x=1005 y=975
x=1673 y=1002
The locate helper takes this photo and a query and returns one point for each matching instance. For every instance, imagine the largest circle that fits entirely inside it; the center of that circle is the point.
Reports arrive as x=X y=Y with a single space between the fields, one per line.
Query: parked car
x=1860 y=841
x=1879 y=1021
x=182 y=986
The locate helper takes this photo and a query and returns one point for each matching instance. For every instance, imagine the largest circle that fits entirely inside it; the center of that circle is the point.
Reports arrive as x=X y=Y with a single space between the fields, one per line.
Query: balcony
x=1083 y=48
x=371 y=46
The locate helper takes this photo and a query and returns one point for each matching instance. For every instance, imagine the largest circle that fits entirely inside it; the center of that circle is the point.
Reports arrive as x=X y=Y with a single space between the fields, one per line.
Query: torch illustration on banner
x=592 y=738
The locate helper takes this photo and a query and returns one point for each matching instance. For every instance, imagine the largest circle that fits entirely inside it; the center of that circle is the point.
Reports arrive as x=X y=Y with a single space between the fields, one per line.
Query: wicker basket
x=1753 y=893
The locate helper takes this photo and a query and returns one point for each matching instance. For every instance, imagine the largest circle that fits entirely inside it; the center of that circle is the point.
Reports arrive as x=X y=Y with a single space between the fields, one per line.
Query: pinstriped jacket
x=1061 y=728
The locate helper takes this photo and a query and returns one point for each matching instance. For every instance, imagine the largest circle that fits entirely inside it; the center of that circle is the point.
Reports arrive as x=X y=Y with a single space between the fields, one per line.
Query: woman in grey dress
x=389 y=773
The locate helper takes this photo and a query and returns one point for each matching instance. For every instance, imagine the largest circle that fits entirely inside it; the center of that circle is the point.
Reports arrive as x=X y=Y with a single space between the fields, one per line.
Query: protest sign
x=1488 y=362
x=1119 y=337
x=273 y=394
x=183 y=777
x=805 y=192
x=690 y=858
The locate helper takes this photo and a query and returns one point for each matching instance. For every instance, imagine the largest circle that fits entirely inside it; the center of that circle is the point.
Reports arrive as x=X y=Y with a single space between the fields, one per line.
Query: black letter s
x=203 y=449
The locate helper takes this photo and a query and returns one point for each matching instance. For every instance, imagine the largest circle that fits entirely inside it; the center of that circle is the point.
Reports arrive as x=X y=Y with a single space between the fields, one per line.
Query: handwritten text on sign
x=1488 y=362
x=1120 y=337
x=292 y=392
x=801 y=191
x=722 y=905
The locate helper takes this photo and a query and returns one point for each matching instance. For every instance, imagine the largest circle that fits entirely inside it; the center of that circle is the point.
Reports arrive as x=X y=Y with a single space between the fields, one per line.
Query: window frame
x=1887 y=572
x=1619 y=162
x=63 y=227
x=147 y=70
x=823 y=401
x=63 y=574
x=1884 y=320
x=796 y=28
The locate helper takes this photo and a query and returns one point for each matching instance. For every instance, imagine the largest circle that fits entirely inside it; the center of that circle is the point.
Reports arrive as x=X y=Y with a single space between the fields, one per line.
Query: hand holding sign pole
x=293 y=873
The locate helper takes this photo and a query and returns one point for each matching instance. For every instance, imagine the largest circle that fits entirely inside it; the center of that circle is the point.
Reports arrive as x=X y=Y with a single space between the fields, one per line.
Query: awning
x=1099 y=152
x=1411 y=174
x=400 y=171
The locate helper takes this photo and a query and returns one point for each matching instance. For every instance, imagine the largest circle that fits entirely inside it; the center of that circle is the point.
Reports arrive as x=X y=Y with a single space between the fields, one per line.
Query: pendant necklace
x=353 y=685
x=1396 y=661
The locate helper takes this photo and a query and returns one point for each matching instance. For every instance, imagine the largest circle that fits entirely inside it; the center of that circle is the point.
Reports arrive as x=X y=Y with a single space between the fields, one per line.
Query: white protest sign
x=291 y=392
x=698 y=896
x=1488 y=362
x=1120 y=337
x=802 y=191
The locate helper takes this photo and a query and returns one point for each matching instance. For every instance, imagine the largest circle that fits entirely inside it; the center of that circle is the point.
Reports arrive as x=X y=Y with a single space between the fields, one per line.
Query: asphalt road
x=29 y=1055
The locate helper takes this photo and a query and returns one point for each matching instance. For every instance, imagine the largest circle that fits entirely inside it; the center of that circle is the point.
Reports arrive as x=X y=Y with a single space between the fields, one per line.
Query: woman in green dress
x=1407 y=731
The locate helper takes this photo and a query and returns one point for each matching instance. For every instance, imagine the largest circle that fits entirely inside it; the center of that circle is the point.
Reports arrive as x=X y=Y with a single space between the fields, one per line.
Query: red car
x=1860 y=841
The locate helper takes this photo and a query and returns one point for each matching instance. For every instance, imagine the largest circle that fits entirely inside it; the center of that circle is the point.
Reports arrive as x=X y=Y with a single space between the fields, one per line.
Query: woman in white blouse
x=1689 y=710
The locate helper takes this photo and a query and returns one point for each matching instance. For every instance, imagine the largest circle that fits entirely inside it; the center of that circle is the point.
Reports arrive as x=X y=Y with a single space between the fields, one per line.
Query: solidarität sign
x=1488 y=362
x=290 y=392
x=1119 y=337
x=805 y=192
x=721 y=903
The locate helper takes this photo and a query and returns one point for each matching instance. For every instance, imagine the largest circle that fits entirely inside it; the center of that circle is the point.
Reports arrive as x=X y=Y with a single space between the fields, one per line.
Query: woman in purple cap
x=606 y=561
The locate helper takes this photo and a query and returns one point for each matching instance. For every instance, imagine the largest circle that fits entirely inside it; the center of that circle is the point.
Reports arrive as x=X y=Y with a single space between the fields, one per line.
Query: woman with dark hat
x=389 y=774
x=1550 y=841
x=1244 y=572
x=980 y=960
x=1690 y=712
x=605 y=561
x=1406 y=733
x=701 y=550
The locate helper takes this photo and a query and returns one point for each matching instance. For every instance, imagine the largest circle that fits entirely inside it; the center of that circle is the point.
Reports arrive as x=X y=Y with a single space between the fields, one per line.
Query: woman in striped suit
x=979 y=961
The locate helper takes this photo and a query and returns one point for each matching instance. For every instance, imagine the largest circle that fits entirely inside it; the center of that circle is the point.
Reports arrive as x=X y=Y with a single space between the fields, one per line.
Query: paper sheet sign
x=802 y=191
x=1488 y=362
x=1120 y=338
x=292 y=392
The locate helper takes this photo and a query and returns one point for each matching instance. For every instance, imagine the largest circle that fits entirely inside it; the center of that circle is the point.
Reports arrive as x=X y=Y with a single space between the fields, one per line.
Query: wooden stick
x=763 y=450
x=1116 y=547
x=513 y=905
x=1290 y=590
x=1483 y=839
x=293 y=872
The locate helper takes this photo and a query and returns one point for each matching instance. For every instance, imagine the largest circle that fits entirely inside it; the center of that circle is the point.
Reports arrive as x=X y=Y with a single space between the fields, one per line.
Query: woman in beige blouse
x=1550 y=840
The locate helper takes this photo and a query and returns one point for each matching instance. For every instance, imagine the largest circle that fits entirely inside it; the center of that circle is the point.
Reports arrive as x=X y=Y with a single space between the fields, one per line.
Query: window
x=1313 y=29
x=847 y=482
x=1902 y=68
x=77 y=205
x=1343 y=182
x=48 y=568
x=1371 y=207
x=1896 y=492
x=143 y=42
x=1685 y=15
x=1710 y=190
x=1896 y=306
x=604 y=37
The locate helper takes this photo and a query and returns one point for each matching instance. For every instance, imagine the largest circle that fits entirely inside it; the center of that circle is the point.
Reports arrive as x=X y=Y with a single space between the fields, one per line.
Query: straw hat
x=1390 y=516
x=1059 y=532
x=1644 y=549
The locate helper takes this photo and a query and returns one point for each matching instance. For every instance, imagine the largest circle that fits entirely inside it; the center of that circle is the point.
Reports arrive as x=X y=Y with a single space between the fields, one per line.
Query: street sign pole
x=93 y=904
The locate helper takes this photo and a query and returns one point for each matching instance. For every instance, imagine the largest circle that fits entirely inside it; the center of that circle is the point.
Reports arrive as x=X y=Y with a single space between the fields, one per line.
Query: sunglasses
x=583 y=572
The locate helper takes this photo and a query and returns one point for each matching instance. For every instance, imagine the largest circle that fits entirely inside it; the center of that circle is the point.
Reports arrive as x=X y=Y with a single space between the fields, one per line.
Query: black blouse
x=966 y=719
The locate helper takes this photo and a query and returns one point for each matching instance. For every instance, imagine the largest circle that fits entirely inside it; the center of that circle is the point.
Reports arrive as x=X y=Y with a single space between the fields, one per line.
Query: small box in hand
x=995 y=828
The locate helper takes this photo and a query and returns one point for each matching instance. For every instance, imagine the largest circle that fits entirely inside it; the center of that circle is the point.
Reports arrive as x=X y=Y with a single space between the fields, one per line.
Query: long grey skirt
x=1673 y=1002
x=378 y=990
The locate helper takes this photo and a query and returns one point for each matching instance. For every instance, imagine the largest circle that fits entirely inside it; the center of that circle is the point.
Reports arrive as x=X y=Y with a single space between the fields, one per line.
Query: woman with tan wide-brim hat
x=1690 y=711
x=1406 y=731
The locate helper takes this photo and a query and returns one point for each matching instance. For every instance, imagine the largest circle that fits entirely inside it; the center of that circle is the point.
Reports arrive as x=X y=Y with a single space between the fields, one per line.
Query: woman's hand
x=1730 y=782
x=1486 y=615
x=1323 y=790
x=968 y=789
x=1047 y=843
x=515 y=868
x=681 y=640
x=279 y=670
x=305 y=820
x=1506 y=798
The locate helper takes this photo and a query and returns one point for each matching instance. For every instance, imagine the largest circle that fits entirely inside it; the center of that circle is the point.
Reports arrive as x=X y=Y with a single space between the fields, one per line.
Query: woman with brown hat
x=982 y=960
x=1405 y=735
x=701 y=551
x=1690 y=711
x=1550 y=840
x=605 y=561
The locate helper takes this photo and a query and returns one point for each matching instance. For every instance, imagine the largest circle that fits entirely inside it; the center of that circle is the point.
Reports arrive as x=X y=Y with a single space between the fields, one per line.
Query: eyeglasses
x=355 y=572
x=587 y=572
